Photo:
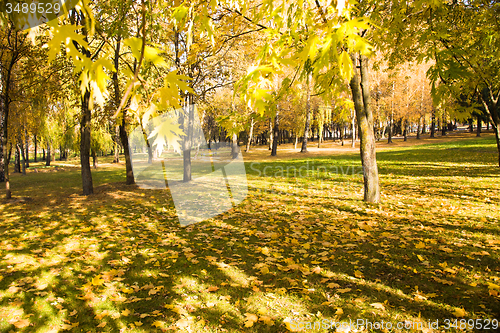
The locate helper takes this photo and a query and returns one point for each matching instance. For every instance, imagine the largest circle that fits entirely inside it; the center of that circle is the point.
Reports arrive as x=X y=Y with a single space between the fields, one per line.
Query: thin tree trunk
x=271 y=134
x=23 y=158
x=85 y=134
x=250 y=135
x=234 y=146
x=493 y=111
x=94 y=158
x=17 y=160
x=405 y=131
x=353 y=126
x=362 y=104
x=48 y=159
x=187 y=176
x=276 y=126
x=27 y=148
x=122 y=129
x=36 y=146
x=117 y=145
x=418 y=128
x=478 y=132
x=308 y=117
x=433 y=123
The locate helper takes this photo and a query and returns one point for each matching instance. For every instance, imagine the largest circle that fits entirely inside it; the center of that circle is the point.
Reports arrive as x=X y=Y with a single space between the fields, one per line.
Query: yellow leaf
x=21 y=323
x=379 y=306
x=291 y=325
x=265 y=251
x=97 y=281
x=420 y=245
x=339 y=312
x=250 y=319
x=127 y=290
x=267 y=320
x=345 y=290
x=125 y=312
x=138 y=323
x=459 y=312
x=420 y=257
x=264 y=270
x=358 y=274
x=102 y=324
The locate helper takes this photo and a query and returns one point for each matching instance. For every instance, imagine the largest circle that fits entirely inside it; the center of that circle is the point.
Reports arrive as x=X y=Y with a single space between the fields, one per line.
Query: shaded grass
x=302 y=246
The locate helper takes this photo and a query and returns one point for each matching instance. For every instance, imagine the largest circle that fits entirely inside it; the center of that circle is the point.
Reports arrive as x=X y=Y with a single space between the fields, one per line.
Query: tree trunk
x=23 y=158
x=122 y=128
x=188 y=140
x=94 y=158
x=116 y=158
x=478 y=132
x=493 y=111
x=17 y=160
x=433 y=123
x=27 y=148
x=271 y=134
x=362 y=104
x=43 y=154
x=342 y=134
x=308 y=117
x=276 y=126
x=85 y=134
x=353 y=126
x=48 y=159
x=234 y=146
x=418 y=128
x=36 y=150
x=250 y=135
x=148 y=146
x=405 y=131
x=389 y=132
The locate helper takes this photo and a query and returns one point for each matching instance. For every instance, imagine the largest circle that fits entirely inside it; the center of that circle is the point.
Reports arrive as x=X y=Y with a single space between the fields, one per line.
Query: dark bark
x=492 y=106
x=48 y=158
x=276 y=126
x=116 y=146
x=94 y=158
x=122 y=129
x=148 y=146
x=85 y=136
x=433 y=123
x=27 y=148
x=405 y=130
x=418 y=128
x=17 y=160
x=362 y=104
x=23 y=158
x=478 y=132
x=35 y=142
x=389 y=132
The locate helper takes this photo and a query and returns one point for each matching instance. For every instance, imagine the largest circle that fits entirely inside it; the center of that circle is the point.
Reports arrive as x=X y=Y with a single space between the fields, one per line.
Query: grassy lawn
x=303 y=247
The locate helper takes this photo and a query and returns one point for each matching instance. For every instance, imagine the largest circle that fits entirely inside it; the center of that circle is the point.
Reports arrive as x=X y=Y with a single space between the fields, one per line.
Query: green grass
x=303 y=247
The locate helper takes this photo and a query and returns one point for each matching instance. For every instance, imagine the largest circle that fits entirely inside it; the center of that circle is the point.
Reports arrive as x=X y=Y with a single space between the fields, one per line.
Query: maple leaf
x=250 y=319
x=458 y=312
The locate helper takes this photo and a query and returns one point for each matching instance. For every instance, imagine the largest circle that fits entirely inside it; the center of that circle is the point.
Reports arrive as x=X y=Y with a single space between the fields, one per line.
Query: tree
x=463 y=61
x=14 y=45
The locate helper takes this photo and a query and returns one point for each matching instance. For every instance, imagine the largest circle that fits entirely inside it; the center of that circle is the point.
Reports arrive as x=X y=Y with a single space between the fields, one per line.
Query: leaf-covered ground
x=300 y=249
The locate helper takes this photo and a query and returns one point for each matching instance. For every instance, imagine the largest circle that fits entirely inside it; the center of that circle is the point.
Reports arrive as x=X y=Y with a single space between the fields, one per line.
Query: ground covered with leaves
x=302 y=250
